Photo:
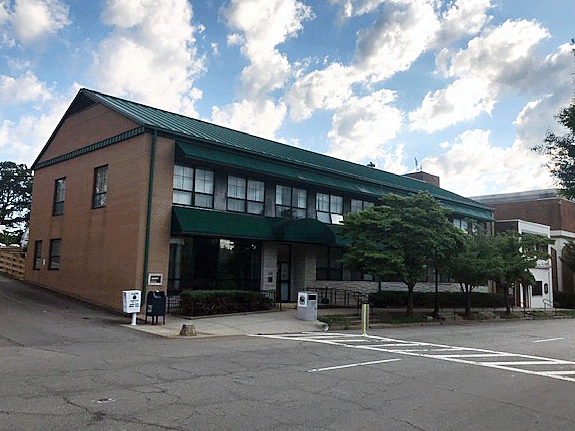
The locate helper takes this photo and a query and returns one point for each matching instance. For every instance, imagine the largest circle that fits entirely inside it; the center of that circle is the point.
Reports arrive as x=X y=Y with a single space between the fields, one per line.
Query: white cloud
x=351 y=8
x=501 y=60
x=462 y=100
x=264 y=24
x=462 y=18
x=22 y=140
x=474 y=167
x=363 y=125
x=25 y=88
x=322 y=89
x=259 y=118
x=397 y=39
x=150 y=56
x=403 y=31
x=32 y=20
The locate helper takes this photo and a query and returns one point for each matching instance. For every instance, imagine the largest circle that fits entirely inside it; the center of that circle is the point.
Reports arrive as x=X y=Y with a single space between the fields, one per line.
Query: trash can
x=306 y=306
x=156 y=305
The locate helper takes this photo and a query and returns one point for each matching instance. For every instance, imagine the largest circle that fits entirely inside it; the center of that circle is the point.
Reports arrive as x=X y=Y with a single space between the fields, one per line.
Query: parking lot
x=64 y=365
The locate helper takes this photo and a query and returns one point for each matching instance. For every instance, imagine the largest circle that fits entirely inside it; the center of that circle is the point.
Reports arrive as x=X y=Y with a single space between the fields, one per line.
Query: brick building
x=545 y=207
x=127 y=196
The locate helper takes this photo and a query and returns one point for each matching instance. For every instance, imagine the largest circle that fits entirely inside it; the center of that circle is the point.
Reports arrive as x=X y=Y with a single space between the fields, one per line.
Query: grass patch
x=336 y=320
x=402 y=318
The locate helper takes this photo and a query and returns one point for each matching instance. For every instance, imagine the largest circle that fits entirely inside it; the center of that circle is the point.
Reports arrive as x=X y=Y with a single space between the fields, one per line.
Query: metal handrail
x=547 y=302
x=339 y=297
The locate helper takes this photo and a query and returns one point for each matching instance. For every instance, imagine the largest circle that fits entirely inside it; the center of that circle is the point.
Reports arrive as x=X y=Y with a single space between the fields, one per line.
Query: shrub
x=394 y=298
x=207 y=302
x=564 y=299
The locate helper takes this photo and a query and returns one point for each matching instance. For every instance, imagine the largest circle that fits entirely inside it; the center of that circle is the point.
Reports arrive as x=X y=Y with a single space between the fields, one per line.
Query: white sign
x=302 y=299
x=132 y=301
x=155 y=279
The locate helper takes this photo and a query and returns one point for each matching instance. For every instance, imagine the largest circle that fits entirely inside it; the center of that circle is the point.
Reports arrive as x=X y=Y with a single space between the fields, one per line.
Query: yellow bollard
x=364 y=318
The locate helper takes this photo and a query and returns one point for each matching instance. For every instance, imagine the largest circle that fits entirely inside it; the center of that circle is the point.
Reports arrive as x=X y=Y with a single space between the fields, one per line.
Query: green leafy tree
x=15 y=199
x=399 y=238
x=516 y=255
x=476 y=264
x=561 y=149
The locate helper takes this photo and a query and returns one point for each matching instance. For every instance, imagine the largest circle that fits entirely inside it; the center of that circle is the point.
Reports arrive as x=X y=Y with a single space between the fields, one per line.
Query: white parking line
x=359 y=364
x=549 y=339
x=425 y=350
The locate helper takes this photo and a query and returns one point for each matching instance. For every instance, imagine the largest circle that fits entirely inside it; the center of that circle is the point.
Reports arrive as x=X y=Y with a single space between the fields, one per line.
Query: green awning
x=304 y=230
x=196 y=221
x=187 y=221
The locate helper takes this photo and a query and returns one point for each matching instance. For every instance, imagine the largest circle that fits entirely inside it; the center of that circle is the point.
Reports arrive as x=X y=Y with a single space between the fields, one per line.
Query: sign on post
x=132 y=302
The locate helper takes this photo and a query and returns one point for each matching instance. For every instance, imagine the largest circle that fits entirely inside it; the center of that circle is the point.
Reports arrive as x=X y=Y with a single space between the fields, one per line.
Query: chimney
x=425 y=177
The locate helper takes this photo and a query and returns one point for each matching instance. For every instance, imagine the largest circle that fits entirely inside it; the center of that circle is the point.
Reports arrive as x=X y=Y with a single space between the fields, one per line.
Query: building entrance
x=284 y=273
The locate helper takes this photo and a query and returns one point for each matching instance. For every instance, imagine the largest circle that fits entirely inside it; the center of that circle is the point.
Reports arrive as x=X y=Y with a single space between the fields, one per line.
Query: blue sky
x=465 y=87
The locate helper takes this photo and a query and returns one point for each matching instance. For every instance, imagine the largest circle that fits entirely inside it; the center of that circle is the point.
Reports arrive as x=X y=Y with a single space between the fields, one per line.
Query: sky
x=461 y=89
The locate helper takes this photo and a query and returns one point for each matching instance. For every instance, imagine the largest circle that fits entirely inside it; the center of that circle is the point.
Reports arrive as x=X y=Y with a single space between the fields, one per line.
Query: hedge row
x=564 y=299
x=393 y=298
x=207 y=302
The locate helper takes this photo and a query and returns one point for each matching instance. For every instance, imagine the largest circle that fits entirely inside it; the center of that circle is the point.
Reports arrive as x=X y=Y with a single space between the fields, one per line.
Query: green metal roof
x=294 y=163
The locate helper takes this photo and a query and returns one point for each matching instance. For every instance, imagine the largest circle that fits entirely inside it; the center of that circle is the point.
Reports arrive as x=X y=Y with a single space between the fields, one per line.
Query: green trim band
x=92 y=147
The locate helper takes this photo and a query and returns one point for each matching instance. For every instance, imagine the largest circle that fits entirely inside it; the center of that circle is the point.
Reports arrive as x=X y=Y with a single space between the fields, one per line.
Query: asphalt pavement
x=68 y=366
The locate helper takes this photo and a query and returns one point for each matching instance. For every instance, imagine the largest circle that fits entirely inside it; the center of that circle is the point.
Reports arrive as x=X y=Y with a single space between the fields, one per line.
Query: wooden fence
x=12 y=262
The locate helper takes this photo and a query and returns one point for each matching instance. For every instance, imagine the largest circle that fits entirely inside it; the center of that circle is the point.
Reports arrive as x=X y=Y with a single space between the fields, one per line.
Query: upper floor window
x=100 y=190
x=55 y=252
x=290 y=202
x=37 y=254
x=59 y=196
x=359 y=205
x=194 y=187
x=329 y=208
x=245 y=195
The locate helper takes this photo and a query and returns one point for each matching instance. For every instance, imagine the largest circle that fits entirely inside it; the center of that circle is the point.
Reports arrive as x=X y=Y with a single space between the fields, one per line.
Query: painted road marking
x=359 y=364
x=464 y=355
x=549 y=339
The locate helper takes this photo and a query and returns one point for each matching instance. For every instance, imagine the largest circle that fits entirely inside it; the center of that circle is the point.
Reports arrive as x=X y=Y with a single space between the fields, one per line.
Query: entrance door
x=284 y=270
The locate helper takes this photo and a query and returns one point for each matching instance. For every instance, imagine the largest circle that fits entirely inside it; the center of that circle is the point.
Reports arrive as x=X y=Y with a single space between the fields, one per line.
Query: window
x=359 y=205
x=55 y=250
x=193 y=187
x=329 y=208
x=328 y=264
x=100 y=187
x=538 y=288
x=37 y=254
x=59 y=196
x=290 y=202
x=245 y=195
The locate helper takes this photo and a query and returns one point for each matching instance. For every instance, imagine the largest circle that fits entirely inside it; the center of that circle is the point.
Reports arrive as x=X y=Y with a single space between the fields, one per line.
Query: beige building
x=128 y=197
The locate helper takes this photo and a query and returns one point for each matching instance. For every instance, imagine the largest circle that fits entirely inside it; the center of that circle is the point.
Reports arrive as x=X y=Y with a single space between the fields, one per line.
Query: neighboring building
x=539 y=295
x=545 y=207
x=127 y=196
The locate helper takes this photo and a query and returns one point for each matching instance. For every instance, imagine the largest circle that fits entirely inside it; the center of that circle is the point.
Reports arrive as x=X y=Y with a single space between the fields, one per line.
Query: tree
x=516 y=255
x=561 y=150
x=15 y=198
x=397 y=239
x=476 y=264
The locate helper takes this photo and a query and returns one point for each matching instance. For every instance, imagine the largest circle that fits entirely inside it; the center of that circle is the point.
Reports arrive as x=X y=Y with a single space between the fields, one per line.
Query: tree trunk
x=409 y=311
x=467 y=301
x=507 y=301
x=436 y=297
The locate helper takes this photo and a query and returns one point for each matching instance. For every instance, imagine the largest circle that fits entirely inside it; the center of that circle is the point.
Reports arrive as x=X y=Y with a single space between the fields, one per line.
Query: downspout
x=149 y=214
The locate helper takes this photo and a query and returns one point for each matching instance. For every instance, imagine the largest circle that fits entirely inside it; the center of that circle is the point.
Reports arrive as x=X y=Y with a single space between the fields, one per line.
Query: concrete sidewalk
x=270 y=322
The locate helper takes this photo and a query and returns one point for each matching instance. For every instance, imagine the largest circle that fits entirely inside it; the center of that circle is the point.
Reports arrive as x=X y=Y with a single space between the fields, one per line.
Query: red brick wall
x=102 y=248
